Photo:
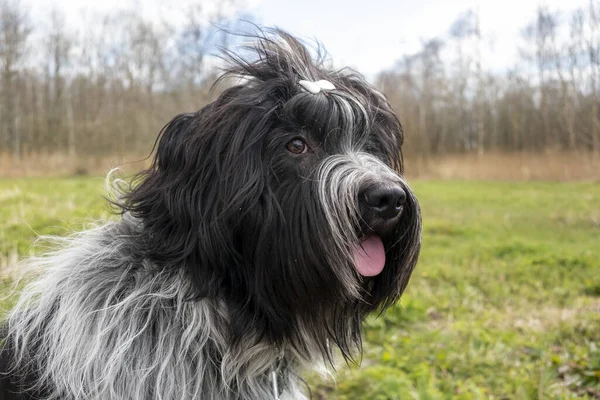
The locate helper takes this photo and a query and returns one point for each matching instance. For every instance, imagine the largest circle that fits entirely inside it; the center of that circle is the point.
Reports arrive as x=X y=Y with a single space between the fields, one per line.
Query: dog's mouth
x=369 y=252
x=369 y=256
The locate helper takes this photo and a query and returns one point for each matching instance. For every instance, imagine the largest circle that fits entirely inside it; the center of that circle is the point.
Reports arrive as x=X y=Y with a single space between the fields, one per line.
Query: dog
x=269 y=225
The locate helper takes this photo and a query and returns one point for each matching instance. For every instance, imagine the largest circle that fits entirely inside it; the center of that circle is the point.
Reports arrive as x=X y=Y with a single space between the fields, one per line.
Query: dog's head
x=285 y=199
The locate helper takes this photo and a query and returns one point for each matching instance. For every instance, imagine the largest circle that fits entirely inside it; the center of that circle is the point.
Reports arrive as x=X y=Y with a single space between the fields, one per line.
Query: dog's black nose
x=385 y=200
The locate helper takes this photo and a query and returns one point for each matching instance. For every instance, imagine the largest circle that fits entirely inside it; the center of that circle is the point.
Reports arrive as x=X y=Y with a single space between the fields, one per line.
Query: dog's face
x=284 y=198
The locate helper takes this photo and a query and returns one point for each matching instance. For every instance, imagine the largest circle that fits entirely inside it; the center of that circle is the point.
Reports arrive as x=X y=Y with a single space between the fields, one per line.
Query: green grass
x=504 y=304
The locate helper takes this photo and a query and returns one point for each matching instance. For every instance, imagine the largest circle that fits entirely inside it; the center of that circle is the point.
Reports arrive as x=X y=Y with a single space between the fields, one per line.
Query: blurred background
x=484 y=89
x=500 y=103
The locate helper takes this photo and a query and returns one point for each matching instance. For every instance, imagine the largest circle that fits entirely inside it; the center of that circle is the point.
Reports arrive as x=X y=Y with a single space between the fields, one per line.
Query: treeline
x=549 y=100
x=107 y=89
x=110 y=87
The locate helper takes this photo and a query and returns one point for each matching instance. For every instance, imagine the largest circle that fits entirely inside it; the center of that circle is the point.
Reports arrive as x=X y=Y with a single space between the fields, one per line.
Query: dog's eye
x=297 y=146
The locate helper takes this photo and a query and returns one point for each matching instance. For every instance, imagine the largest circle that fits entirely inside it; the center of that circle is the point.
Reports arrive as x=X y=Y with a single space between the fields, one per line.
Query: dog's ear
x=172 y=142
x=160 y=196
x=147 y=198
x=207 y=172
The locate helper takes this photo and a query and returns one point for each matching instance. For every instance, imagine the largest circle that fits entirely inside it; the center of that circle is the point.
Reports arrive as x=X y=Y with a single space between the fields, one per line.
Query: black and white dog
x=271 y=222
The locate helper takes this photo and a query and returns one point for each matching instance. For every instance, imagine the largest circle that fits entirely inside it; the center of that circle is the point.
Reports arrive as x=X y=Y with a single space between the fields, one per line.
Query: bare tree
x=58 y=46
x=462 y=31
x=480 y=89
x=109 y=89
x=593 y=48
x=14 y=32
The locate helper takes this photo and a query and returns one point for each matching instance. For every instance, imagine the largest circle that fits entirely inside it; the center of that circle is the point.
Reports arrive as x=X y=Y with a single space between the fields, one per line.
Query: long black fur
x=228 y=205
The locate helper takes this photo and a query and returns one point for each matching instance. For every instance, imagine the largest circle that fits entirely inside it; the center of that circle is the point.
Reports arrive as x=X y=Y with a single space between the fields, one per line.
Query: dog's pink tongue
x=369 y=256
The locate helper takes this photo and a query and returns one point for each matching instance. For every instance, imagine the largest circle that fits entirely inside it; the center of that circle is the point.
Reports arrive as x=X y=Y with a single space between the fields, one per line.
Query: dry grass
x=62 y=165
x=549 y=166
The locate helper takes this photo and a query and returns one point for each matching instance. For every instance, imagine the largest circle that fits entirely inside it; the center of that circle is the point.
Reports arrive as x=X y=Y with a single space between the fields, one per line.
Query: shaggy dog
x=270 y=223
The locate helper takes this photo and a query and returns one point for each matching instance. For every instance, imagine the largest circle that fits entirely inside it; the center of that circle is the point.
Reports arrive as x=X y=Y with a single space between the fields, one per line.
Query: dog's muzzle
x=361 y=193
x=381 y=203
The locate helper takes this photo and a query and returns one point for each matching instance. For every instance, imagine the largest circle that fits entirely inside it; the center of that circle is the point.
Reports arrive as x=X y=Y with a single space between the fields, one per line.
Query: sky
x=372 y=35
x=369 y=35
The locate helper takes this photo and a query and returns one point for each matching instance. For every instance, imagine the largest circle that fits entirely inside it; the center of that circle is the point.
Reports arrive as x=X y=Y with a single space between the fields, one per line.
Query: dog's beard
x=308 y=287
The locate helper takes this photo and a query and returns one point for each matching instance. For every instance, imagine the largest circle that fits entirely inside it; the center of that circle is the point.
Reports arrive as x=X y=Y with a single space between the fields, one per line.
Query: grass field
x=504 y=304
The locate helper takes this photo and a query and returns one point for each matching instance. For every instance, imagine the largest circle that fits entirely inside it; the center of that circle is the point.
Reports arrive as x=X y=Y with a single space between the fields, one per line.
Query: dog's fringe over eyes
x=234 y=258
